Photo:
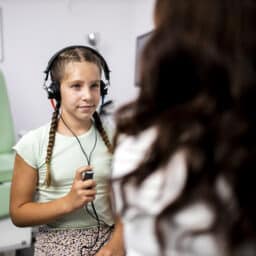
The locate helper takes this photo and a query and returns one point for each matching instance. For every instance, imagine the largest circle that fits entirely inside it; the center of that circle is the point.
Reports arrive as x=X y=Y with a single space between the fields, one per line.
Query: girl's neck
x=65 y=125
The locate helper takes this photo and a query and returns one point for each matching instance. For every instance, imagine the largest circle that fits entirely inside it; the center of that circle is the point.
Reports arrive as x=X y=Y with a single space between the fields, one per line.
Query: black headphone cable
x=95 y=216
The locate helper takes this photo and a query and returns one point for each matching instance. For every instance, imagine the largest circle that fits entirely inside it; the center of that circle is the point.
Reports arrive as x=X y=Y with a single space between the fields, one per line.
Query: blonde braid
x=102 y=132
x=50 y=146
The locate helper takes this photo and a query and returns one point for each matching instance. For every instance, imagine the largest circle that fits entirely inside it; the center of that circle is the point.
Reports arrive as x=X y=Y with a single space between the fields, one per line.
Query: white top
x=149 y=199
x=67 y=157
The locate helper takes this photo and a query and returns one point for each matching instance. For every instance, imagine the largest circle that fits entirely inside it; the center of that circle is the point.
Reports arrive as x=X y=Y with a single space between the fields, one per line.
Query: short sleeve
x=27 y=148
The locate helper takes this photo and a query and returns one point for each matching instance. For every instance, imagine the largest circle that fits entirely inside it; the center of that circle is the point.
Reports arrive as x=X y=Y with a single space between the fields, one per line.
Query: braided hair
x=102 y=132
x=51 y=142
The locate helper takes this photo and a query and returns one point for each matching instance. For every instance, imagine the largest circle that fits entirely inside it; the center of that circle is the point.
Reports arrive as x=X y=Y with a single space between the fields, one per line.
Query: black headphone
x=53 y=90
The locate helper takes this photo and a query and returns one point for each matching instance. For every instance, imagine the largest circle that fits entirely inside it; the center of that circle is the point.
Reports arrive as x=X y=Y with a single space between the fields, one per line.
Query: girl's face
x=80 y=90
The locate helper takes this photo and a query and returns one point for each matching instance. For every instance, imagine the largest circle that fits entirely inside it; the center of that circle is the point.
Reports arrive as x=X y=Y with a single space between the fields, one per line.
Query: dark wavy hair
x=198 y=88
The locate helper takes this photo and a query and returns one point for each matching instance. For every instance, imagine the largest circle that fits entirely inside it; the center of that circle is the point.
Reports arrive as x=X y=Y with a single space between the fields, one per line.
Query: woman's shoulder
x=139 y=142
x=130 y=150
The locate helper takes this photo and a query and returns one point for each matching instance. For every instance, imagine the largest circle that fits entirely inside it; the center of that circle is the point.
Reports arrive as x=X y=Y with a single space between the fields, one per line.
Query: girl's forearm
x=33 y=213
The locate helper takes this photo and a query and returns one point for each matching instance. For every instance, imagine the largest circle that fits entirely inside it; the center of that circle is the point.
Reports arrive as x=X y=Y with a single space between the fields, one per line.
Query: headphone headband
x=104 y=64
x=53 y=90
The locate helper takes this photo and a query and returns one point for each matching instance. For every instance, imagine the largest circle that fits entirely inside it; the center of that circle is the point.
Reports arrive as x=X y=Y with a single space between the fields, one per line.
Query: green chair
x=7 y=140
x=14 y=238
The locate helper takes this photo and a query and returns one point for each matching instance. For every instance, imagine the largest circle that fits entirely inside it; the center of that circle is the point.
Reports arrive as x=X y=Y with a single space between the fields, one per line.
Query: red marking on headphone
x=53 y=103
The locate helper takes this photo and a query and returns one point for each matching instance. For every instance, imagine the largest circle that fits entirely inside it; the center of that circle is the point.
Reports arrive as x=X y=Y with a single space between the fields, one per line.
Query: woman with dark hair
x=185 y=151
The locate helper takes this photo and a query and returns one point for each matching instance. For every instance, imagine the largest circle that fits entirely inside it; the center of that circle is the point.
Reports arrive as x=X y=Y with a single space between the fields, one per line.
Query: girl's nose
x=86 y=93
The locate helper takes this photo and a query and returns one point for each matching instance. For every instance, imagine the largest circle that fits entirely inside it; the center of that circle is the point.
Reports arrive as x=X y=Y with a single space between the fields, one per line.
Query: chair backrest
x=7 y=138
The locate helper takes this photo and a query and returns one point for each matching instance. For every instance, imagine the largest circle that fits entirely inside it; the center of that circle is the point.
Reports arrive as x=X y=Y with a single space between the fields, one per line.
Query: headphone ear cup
x=103 y=88
x=54 y=91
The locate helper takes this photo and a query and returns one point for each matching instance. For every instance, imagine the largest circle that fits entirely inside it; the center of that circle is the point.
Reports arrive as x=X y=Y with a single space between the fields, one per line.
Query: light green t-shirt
x=67 y=157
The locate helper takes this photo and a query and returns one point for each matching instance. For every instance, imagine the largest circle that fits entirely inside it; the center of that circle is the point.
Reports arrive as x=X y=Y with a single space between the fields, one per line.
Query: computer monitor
x=141 y=41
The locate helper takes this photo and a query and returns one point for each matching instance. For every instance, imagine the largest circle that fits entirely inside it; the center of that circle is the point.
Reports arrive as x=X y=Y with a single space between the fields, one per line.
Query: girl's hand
x=81 y=192
x=115 y=246
x=109 y=250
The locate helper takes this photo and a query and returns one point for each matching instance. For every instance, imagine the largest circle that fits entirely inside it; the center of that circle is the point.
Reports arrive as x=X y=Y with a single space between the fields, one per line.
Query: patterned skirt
x=71 y=242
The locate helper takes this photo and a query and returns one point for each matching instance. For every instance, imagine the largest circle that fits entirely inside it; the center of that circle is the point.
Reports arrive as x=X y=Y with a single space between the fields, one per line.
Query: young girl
x=48 y=189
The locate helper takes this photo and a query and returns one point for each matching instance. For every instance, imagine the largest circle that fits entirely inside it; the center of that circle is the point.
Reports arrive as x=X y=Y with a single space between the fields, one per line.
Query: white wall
x=33 y=30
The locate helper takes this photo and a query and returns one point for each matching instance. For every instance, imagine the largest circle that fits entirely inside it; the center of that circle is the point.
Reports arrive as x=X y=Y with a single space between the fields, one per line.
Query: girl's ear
x=54 y=91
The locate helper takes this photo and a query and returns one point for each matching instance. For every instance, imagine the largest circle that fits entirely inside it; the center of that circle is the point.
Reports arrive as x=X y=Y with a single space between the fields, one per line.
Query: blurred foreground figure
x=185 y=149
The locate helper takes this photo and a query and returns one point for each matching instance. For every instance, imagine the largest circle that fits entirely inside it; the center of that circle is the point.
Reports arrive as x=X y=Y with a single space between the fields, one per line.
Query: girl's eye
x=95 y=85
x=76 y=86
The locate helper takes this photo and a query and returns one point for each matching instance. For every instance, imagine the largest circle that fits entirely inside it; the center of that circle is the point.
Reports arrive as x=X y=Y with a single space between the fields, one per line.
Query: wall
x=34 y=30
